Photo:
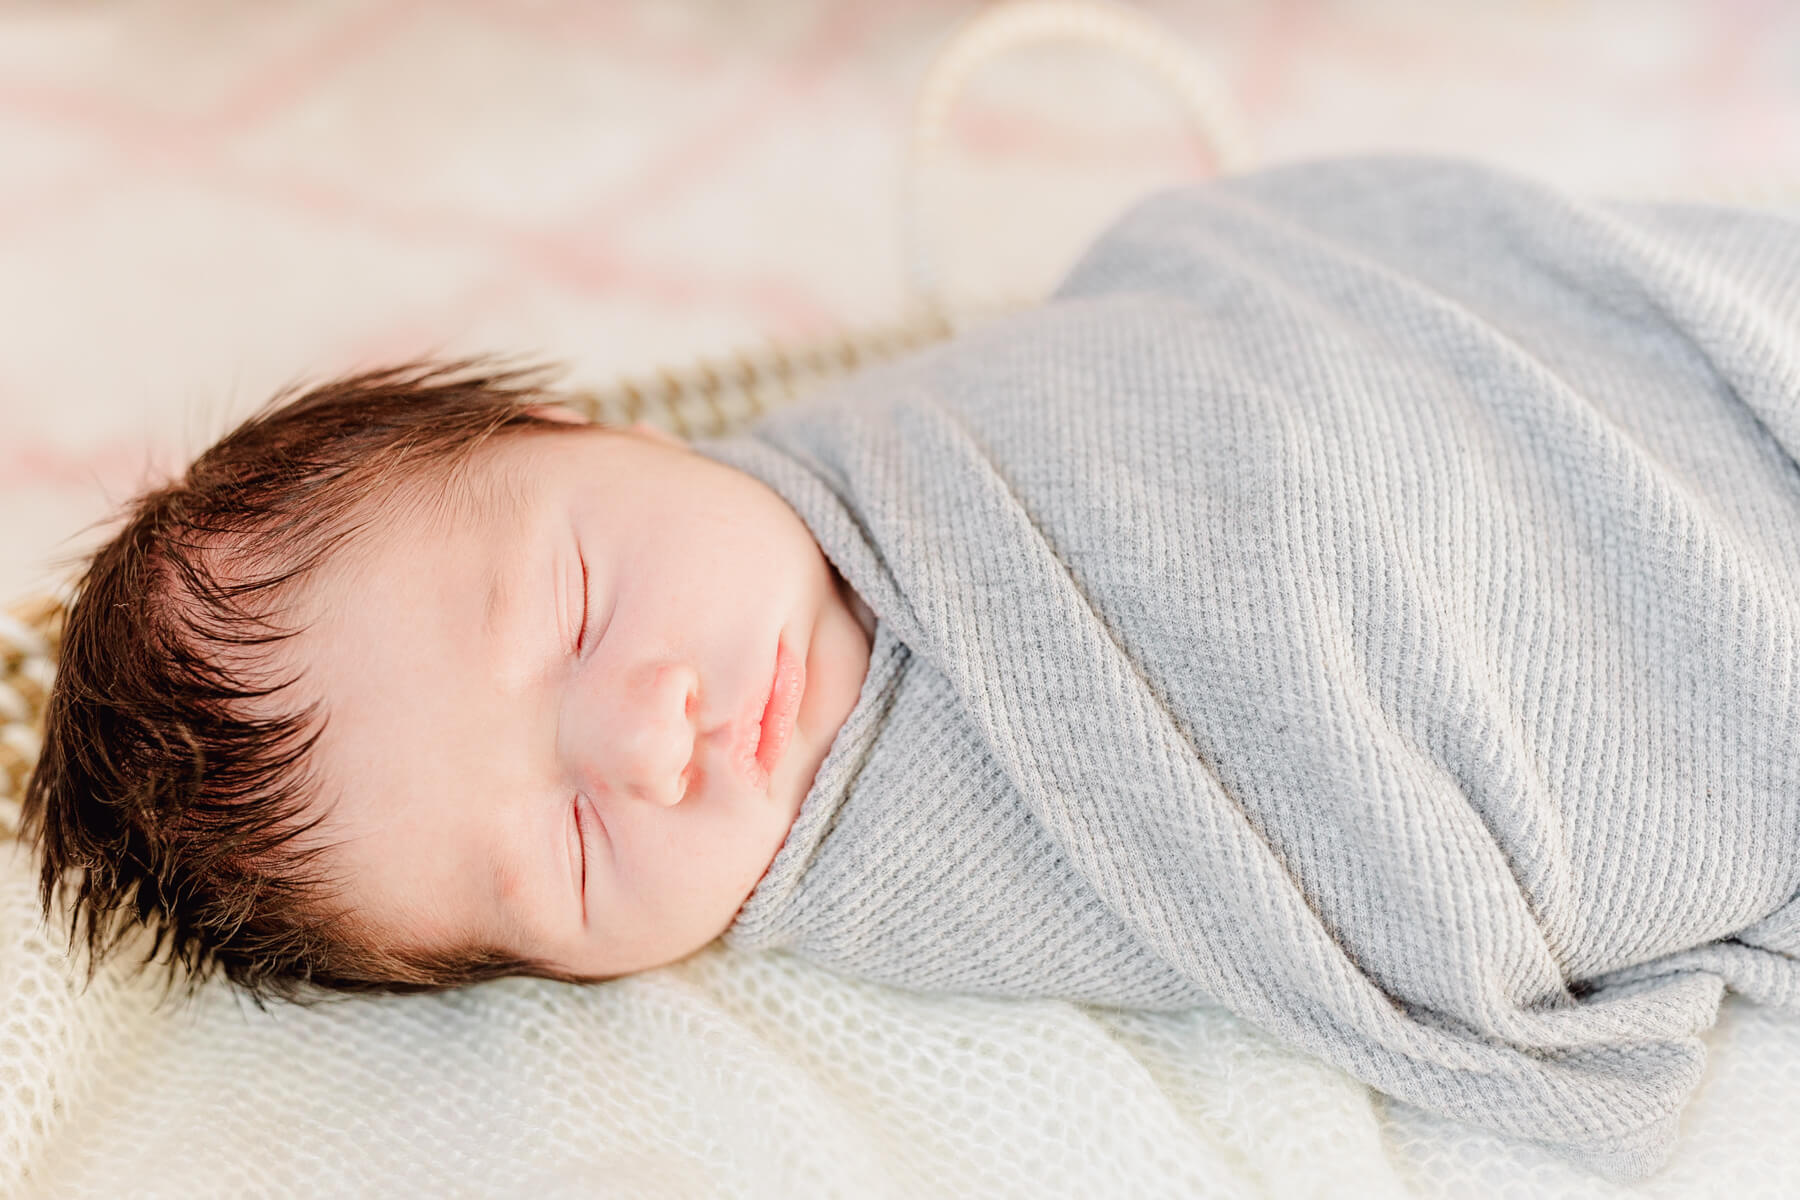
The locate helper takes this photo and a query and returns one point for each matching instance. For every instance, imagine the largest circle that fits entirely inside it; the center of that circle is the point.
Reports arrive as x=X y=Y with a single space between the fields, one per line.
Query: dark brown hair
x=172 y=786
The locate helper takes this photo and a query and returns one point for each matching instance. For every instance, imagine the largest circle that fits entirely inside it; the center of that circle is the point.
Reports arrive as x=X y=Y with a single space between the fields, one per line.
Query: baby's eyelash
x=581 y=634
x=581 y=840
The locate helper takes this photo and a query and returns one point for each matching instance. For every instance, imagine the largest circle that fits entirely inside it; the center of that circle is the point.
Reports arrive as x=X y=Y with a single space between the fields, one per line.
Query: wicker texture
x=29 y=636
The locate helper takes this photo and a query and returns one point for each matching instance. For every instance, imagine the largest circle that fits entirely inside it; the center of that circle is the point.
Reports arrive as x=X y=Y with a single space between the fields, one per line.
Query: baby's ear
x=557 y=412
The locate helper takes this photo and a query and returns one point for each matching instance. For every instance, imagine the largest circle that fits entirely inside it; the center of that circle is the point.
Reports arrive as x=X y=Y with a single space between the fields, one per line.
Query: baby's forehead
x=392 y=639
x=417 y=547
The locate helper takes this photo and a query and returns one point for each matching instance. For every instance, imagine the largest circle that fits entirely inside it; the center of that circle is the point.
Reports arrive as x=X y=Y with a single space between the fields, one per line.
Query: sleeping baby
x=1365 y=596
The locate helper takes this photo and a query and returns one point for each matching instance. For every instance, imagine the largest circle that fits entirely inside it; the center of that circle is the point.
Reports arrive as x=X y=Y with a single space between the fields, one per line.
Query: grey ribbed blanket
x=1366 y=596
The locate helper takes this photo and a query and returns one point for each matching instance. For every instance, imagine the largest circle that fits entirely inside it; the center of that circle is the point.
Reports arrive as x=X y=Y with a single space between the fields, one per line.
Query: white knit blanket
x=1367 y=597
x=756 y=1075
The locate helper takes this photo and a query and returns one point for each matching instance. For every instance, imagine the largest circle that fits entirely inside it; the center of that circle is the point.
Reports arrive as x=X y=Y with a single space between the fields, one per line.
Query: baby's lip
x=783 y=708
x=766 y=722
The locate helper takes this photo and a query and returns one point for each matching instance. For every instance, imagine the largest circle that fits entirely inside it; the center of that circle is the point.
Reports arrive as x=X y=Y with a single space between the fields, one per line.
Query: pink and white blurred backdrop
x=201 y=201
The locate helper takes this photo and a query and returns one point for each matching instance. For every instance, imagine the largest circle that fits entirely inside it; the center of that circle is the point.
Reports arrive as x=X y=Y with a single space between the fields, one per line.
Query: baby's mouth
x=783 y=708
x=768 y=733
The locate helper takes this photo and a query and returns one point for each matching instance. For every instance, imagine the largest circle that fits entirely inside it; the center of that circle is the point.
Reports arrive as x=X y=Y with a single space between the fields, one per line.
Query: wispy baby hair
x=172 y=788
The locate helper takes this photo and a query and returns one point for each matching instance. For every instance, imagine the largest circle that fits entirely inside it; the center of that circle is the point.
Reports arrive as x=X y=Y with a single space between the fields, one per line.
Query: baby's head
x=417 y=680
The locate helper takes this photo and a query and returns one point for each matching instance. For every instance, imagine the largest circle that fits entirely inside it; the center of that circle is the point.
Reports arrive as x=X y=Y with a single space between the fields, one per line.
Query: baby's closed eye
x=582 y=609
x=579 y=855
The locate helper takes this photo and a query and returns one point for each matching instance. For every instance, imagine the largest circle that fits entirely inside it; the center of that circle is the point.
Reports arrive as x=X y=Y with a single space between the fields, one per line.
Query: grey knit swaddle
x=1367 y=596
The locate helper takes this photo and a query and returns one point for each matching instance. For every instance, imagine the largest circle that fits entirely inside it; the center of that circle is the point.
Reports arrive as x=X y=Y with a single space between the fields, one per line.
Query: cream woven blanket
x=1367 y=597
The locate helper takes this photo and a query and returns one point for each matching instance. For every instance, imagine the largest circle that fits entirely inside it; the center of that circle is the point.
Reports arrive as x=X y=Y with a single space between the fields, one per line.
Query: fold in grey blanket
x=1367 y=596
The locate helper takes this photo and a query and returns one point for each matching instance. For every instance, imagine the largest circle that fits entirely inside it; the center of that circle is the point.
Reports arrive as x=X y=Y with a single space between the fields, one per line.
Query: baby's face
x=544 y=704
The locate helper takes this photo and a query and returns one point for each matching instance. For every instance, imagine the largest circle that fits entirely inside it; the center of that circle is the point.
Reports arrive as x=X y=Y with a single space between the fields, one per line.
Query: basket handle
x=1002 y=28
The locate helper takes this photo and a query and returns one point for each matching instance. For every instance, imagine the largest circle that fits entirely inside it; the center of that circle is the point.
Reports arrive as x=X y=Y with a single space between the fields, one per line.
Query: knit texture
x=1367 y=596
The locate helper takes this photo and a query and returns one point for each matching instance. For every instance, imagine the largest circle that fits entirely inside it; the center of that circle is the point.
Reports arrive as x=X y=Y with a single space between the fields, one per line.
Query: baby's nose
x=647 y=745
